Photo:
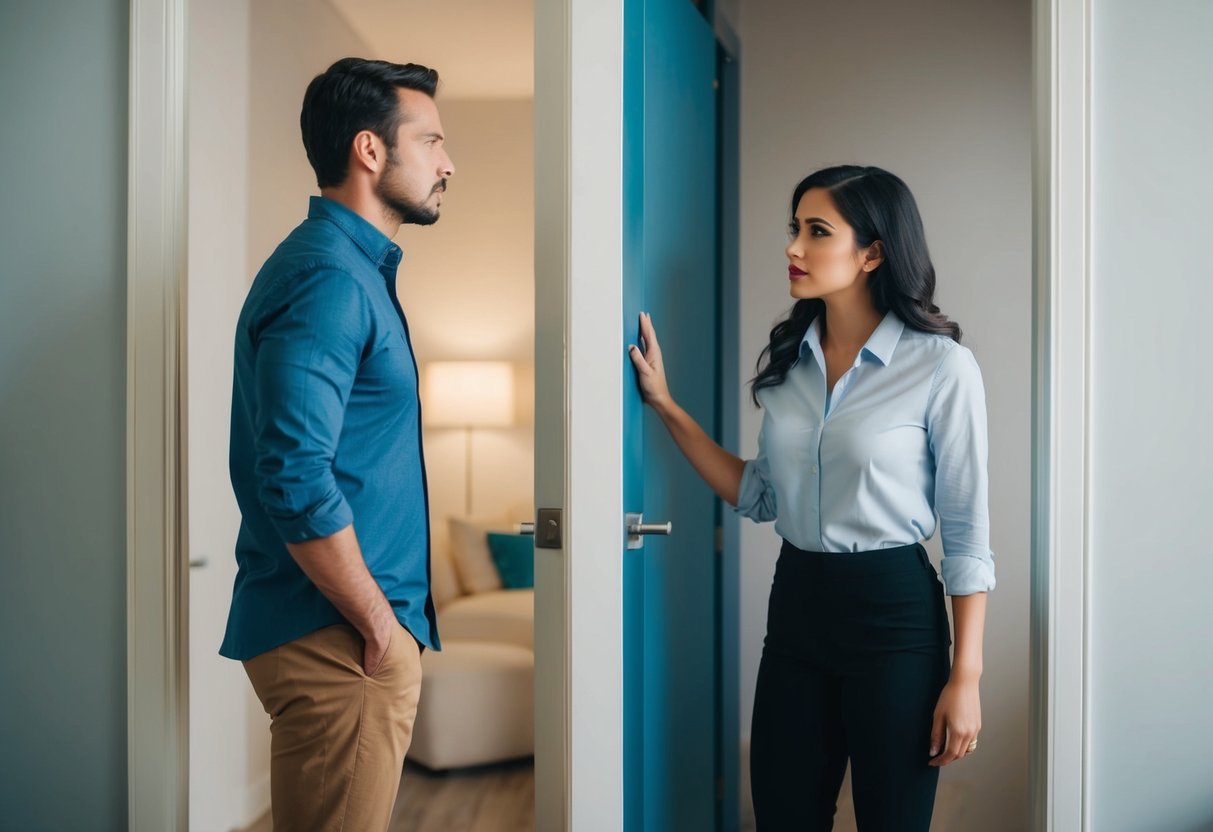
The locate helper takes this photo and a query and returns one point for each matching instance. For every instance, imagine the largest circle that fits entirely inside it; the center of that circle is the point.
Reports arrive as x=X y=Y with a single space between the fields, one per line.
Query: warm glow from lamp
x=469 y=394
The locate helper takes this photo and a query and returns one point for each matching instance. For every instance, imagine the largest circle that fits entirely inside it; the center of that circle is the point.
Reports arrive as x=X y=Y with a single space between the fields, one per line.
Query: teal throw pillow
x=514 y=556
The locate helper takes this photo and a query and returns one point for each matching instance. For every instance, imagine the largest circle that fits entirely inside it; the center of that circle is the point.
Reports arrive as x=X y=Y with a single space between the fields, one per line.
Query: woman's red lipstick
x=795 y=273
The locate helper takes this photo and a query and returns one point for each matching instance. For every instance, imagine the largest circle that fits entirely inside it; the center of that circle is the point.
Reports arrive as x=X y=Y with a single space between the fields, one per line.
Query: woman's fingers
x=649 y=336
x=638 y=360
x=937 y=733
x=957 y=746
x=647 y=360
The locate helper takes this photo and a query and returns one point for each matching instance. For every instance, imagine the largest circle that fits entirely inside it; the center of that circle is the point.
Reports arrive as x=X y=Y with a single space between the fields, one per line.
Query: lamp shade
x=469 y=394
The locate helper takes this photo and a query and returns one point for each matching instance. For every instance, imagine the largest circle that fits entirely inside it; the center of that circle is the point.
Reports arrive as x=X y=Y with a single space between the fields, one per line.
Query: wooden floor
x=489 y=799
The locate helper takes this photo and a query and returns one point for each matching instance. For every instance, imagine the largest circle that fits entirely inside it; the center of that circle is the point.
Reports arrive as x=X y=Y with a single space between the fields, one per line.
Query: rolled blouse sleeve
x=956 y=433
x=756 y=495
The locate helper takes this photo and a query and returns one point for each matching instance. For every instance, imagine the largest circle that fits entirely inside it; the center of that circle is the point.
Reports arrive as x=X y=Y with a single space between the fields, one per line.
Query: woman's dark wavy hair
x=878 y=206
x=350 y=96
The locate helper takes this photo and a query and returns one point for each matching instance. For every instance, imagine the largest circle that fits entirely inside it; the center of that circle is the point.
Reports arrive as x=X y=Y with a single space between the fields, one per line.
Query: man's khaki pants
x=338 y=736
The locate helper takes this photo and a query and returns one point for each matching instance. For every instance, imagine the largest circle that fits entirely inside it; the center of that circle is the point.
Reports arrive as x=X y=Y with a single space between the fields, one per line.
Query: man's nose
x=447 y=168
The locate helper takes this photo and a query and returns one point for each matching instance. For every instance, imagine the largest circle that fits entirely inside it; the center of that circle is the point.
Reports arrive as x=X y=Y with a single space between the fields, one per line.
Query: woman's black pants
x=855 y=657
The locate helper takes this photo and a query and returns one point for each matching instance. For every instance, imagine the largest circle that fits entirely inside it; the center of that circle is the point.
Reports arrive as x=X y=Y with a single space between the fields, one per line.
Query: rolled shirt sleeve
x=756 y=494
x=957 y=436
x=307 y=356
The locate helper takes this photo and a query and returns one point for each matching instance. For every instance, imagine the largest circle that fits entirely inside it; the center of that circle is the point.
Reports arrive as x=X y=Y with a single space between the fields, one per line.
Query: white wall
x=939 y=93
x=1150 y=625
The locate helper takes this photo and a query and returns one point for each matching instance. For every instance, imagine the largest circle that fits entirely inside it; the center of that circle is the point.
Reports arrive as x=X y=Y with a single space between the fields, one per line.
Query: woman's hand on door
x=720 y=469
x=650 y=369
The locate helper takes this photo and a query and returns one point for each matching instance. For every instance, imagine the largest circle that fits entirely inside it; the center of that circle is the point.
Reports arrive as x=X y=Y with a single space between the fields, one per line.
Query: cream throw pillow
x=470 y=552
x=444 y=583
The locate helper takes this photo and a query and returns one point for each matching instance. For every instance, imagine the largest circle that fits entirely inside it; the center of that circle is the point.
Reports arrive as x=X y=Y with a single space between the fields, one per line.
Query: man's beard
x=409 y=211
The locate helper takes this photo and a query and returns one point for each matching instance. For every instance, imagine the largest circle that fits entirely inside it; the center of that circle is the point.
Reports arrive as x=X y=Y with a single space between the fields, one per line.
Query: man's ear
x=873 y=257
x=368 y=151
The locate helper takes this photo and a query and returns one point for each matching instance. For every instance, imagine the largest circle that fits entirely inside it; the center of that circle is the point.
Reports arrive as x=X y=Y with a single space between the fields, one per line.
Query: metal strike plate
x=549 y=529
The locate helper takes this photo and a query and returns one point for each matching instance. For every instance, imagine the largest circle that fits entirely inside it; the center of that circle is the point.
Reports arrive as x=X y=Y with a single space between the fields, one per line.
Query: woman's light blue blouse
x=901 y=439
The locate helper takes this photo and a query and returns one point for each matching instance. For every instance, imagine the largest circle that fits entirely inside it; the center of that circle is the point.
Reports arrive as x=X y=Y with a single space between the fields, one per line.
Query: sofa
x=477 y=694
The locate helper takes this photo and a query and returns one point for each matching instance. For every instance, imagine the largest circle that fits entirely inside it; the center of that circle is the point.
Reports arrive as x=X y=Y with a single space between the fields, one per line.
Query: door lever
x=546 y=529
x=636 y=527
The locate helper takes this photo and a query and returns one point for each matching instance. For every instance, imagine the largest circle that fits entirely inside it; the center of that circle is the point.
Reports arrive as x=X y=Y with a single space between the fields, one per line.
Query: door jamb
x=156 y=473
x=1061 y=474
x=579 y=381
x=729 y=730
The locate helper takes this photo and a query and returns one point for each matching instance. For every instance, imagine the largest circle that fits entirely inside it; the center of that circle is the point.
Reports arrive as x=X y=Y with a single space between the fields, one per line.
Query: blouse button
x=813 y=470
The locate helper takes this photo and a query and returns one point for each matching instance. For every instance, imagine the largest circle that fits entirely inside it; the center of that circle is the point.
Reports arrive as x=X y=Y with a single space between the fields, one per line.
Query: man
x=331 y=606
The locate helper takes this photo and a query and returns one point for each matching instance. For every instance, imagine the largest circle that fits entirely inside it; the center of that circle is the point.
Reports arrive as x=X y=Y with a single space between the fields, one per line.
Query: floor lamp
x=468 y=394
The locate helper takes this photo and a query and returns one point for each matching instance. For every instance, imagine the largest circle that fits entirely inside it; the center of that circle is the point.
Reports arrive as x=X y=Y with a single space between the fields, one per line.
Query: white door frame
x=157 y=612
x=1060 y=415
x=579 y=381
x=579 y=361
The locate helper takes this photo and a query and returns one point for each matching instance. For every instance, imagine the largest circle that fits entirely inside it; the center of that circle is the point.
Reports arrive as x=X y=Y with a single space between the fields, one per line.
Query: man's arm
x=306 y=363
x=336 y=566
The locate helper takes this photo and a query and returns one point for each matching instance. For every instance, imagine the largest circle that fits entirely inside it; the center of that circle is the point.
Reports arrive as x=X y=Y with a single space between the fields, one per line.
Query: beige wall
x=467 y=284
x=292 y=42
x=939 y=93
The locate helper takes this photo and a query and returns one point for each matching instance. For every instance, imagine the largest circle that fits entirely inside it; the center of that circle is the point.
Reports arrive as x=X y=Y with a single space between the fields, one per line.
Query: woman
x=873 y=422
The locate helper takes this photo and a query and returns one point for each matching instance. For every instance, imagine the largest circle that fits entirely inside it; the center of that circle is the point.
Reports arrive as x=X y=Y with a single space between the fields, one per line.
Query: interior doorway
x=467 y=286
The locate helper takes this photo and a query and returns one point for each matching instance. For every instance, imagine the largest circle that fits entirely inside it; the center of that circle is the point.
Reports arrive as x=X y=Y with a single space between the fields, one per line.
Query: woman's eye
x=793 y=230
x=818 y=231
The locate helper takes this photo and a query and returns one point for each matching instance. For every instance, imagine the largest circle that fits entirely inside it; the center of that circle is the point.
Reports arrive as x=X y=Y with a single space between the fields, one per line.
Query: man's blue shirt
x=326 y=431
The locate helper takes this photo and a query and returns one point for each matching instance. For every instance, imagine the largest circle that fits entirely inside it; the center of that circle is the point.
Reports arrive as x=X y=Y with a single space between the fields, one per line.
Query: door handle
x=636 y=528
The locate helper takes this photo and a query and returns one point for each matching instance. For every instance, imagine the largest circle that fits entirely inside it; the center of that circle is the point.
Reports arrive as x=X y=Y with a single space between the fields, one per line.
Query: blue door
x=672 y=776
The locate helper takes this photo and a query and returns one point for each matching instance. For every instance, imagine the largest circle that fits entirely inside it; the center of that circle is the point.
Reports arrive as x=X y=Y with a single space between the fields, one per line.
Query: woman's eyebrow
x=815 y=219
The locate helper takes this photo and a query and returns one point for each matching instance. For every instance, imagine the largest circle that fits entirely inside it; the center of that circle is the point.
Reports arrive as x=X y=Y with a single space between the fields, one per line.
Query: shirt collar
x=883 y=342
x=374 y=243
x=880 y=346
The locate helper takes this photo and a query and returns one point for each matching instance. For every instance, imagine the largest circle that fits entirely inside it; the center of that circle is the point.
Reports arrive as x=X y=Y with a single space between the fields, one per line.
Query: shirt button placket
x=815 y=473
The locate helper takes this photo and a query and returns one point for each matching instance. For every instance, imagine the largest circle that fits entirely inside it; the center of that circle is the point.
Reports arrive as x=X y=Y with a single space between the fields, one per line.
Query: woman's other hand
x=650 y=369
x=957 y=722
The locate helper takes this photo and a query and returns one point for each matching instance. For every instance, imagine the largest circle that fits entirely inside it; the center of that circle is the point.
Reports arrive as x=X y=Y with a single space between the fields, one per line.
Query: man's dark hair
x=350 y=96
